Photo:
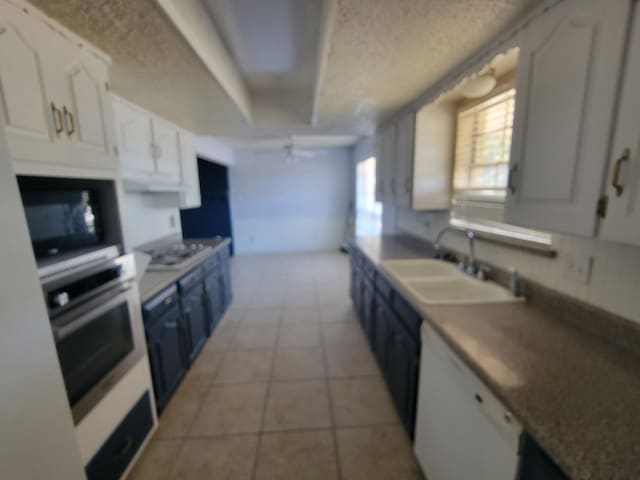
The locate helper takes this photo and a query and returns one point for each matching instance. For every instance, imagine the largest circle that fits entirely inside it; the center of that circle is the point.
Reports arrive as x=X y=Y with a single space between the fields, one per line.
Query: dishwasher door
x=462 y=430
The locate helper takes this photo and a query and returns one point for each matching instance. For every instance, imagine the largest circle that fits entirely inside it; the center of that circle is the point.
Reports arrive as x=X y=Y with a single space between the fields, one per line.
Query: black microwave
x=63 y=215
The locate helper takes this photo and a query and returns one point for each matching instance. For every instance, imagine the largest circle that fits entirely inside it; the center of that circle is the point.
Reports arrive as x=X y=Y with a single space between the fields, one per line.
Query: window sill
x=530 y=240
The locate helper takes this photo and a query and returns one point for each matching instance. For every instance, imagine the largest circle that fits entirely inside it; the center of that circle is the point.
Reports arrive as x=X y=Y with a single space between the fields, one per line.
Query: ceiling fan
x=293 y=154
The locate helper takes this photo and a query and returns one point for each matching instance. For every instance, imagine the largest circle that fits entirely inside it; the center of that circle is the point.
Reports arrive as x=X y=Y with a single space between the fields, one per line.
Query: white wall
x=280 y=206
x=614 y=279
x=149 y=217
x=37 y=436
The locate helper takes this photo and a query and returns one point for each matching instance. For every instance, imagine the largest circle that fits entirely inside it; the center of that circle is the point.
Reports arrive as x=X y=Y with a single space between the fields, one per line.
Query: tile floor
x=286 y=387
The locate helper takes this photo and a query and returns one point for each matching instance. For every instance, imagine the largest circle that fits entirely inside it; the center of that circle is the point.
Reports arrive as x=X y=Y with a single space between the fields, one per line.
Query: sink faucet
x=471 y=266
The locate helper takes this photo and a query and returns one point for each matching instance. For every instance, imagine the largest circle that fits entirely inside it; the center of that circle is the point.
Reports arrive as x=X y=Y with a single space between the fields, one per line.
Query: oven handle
x=60 y=332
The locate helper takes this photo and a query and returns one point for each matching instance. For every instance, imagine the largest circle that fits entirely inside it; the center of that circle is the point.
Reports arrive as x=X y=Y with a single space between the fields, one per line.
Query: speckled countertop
x=153 y=283
x=576 y=393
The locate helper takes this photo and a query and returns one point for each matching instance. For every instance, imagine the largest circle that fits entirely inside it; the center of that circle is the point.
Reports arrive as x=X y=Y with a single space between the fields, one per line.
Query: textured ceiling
x=381 y=55
x=152 y=64
x=384 y=53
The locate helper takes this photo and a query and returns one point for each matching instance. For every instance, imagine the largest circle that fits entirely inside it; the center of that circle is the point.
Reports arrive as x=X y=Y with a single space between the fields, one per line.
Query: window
x=368 y=211
x=483 y=145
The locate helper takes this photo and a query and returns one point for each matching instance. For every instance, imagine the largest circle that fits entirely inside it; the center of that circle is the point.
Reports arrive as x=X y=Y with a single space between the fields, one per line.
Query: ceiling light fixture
x=479 y=86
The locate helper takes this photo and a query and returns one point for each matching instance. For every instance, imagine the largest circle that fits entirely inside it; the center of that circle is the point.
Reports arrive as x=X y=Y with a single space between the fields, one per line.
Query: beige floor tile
x=361 y=401
x=205 y=367
x=219 y=458
x=297 y=456
x=265 y=298
x=298 y=364
x=334 y=314
x=337 y=297
x=376 y=453
x=262 y=316
x=230 y=409
x=157 y=460
x=297 y=335
x=245 y=366
x=343 y=333
x=300 y=298
x=301 y=315
x=297 y=405
x=221 y=338
x=350 y=361
x=250 y=337
x=177 y=418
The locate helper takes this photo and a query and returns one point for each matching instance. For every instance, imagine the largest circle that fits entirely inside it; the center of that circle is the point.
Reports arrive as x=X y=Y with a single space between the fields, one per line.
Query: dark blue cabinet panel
x=195 y=312
x=215 y=302
x=536 y=464
x=114 y=456
x=167 y=340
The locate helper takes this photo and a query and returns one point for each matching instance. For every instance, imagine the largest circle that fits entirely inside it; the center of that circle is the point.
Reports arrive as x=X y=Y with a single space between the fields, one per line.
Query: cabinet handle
x=57 y=119
x=68 y=121
x=167 y=301
x=615 y=183
x=407 y=185
x=125 y=447
x=393 y=186
x=170 y=324
x=478 y=398
x=511 y=185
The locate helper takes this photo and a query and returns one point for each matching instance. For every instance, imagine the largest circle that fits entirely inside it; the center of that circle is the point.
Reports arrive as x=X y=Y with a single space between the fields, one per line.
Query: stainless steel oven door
x=98 y=342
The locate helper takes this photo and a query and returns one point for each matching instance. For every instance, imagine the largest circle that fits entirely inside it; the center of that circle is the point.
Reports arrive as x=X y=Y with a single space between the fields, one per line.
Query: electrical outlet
x=578 y=268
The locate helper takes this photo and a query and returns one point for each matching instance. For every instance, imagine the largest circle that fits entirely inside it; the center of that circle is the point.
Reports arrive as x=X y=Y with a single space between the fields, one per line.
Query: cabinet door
x=135 y=140
x=166 y=357
x=380 y=318
x=401 y=369
x=194 y=310
x=368 y=310
x=385 y=166
x=622 y=220
x=89 y=116
x=190 y=178
x=214 y=300
x=32 y=122
x=404 y=164
x=166 y=151
x=567 y=78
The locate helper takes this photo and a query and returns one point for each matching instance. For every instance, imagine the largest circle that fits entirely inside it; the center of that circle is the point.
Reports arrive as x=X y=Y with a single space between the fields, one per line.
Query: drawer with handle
x=159 y=304
x=116 y=453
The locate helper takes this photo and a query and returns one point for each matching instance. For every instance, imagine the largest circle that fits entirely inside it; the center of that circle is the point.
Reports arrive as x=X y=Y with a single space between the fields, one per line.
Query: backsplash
x=613 y=282
x=148 y=217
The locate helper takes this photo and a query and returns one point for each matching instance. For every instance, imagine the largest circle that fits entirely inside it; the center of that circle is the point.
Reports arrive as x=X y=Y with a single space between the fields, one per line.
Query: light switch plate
x=578 y=268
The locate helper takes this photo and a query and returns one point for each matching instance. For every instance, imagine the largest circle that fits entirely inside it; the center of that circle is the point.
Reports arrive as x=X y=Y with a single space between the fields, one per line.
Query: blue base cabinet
x=179 y=319
x=393 y=332
x=167 y=343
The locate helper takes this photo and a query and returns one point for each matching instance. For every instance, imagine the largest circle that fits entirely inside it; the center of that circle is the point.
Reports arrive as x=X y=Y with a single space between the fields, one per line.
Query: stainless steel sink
x=435 y=282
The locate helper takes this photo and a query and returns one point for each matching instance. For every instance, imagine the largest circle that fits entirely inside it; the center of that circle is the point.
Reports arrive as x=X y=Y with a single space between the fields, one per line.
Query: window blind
x=483 y=145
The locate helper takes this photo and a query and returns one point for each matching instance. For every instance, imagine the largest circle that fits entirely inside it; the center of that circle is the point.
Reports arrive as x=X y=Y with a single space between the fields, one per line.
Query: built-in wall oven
x=95 y=315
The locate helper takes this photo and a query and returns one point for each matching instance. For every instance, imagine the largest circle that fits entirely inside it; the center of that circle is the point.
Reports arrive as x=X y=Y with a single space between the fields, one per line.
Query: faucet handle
x=483 y=272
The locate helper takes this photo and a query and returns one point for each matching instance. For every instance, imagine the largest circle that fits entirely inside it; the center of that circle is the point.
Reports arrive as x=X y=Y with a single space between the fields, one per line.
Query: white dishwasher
x=462 y=431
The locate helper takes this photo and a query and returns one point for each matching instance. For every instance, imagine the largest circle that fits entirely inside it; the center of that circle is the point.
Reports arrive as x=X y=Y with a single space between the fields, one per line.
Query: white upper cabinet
x=166 y=150
x=190 y=198
x=135 y=140
x=89 y=120
x=53 y=95
x=31 y=121
x=435 y=128
x=622 y=219
x=405 y=134
x=567 y=79
x=385 y=165
x=155 y=153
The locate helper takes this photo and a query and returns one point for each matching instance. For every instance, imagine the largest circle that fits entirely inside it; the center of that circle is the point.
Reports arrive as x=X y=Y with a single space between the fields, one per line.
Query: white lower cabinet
x=462 y=431
x=621 y=222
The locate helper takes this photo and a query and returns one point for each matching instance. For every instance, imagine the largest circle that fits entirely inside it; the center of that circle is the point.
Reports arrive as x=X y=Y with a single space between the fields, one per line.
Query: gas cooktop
x=174 y=256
